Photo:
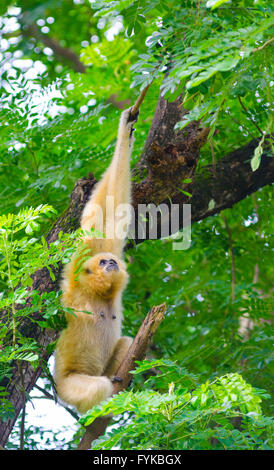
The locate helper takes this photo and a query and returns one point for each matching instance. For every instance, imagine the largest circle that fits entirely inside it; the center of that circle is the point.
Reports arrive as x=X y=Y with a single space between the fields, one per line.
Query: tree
x=203 y=138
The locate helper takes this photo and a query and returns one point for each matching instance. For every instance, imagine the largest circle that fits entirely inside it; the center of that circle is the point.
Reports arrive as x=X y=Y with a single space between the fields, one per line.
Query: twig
x=233 y=273
x=249 y=115
x=269 y=41
x=51 y=397
x=140 y=99
x=240 y=125
x=135 y=353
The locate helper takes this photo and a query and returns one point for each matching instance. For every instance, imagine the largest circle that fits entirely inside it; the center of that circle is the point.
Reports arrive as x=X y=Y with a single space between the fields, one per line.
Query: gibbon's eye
x=102 y=262
x=88 y=271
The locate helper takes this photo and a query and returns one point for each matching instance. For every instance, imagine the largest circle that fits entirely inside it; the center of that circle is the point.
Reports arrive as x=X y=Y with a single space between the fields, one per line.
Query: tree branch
x=233 y=269
x=169 y=155
x=135 y=353
x=229 y=181
x=60 y=51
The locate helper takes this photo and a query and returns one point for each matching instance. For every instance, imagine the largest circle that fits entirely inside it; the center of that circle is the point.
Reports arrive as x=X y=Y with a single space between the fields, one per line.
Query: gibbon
x=90 y=349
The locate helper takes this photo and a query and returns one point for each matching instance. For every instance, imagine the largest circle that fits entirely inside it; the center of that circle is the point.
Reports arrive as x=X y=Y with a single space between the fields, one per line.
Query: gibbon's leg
x=114 y=187
x=84 y=391
x=118 y=355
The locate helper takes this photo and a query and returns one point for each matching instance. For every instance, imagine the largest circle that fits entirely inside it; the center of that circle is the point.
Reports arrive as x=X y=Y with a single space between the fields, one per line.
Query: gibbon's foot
x=118 y=379
x=115 y=378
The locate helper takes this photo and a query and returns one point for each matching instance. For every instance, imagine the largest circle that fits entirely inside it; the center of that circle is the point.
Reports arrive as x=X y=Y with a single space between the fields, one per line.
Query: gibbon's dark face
x=104 y=274
x=109 y=264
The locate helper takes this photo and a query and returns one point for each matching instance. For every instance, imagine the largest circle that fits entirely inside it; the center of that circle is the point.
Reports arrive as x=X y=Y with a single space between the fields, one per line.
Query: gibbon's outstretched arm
x=101 y=211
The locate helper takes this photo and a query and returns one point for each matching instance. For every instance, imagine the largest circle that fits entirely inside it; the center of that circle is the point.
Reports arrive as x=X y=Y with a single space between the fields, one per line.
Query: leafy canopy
x=58 y=125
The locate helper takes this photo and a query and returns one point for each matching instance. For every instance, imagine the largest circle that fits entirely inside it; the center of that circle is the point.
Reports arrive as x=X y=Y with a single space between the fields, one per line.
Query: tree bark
x=229 y=181
x=169 y=156
x=221 y=186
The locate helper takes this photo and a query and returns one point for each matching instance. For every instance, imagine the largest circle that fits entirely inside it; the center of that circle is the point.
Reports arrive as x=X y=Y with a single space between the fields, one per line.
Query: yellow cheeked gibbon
x=90 y=349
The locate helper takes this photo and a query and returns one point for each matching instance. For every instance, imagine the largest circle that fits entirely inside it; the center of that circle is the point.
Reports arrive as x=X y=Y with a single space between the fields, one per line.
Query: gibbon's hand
x=133 y=117
x=115 y=378
x=127 y=121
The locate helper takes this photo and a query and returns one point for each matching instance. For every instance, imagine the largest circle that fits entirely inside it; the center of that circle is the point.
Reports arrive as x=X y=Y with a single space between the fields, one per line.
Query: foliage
x=21 y=256
x=183 y=417
x=217 y=55
x=58 y=125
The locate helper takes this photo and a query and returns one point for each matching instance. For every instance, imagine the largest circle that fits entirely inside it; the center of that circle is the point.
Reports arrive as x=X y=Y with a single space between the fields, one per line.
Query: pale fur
x=91 y=348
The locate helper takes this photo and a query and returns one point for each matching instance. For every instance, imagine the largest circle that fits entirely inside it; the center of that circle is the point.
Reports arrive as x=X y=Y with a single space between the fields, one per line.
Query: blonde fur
x=91 y=348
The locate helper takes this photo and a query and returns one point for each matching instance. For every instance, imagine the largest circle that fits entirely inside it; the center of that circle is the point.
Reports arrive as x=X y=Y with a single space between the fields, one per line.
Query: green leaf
x=215 y=3
x=211 y=204
x=187 y=180
x=184 y=192
x=29 y=229
x=256 y=159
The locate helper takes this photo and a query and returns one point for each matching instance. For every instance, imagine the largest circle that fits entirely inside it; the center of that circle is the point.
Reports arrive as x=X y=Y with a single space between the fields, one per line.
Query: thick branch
x=216 y=187
x=169 y=156
x=228 y=182
x=222 y=186
x=135 y=353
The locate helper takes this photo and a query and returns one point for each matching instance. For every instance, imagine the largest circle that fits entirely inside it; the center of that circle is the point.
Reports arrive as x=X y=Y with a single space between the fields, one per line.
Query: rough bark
x=135 y=353
x=229 y=181
x=169 y=156
x=220 y=186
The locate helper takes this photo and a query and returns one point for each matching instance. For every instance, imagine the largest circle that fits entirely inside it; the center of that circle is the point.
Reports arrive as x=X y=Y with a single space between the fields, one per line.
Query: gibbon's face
x=104 y=274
